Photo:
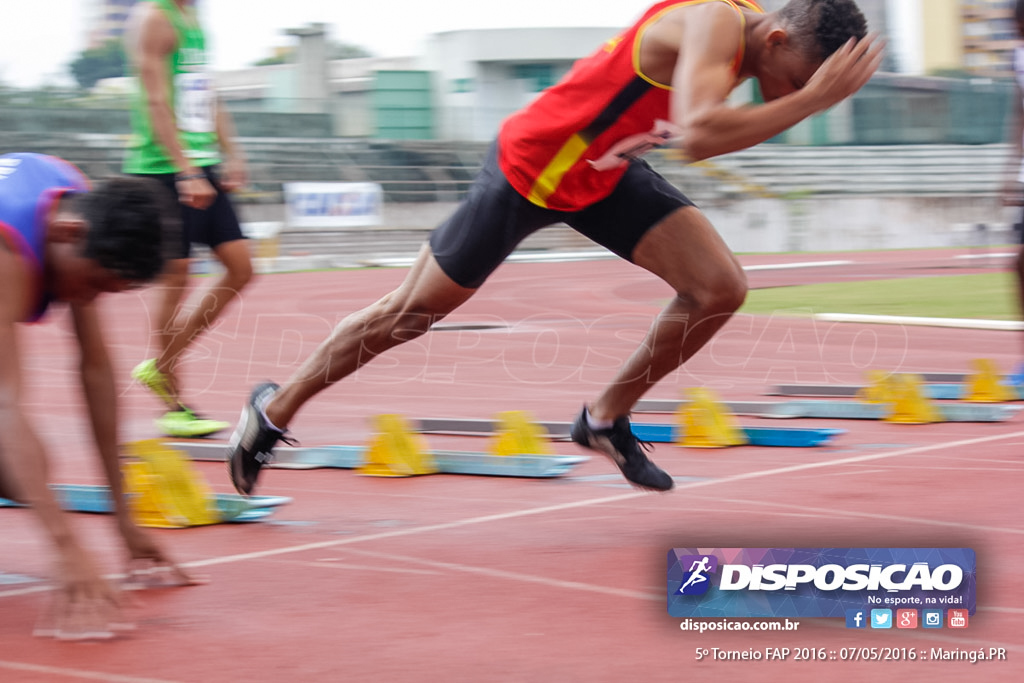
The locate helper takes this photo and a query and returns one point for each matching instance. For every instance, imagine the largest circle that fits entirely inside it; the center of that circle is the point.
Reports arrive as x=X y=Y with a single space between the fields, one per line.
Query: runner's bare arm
x=100 y=390
x=235 y=174
x=97 y=378
x=85 y=601
x=704 y=77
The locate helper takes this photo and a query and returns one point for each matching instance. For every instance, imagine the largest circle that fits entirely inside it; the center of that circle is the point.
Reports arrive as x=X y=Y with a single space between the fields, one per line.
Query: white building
x=105 y=20
x=482 y=76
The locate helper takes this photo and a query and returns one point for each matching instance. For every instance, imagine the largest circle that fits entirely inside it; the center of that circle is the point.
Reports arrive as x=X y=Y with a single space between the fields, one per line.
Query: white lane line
x=970 y=257
x=348 y=566
x=517 y=576
x=798 y=264
x=958 y=323
x=77 y=673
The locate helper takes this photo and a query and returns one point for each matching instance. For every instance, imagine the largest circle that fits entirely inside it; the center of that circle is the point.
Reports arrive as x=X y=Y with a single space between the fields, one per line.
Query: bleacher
x=422 y=180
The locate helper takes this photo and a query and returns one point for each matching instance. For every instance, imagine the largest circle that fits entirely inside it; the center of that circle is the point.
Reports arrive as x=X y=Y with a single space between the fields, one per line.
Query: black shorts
x=212 y=226
x=494 y=218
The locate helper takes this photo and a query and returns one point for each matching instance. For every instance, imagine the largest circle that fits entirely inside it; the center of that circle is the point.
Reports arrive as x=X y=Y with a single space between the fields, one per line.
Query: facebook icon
x=856 y=618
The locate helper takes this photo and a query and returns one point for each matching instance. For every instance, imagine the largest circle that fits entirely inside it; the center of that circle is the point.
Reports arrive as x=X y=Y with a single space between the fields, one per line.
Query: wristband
x=189 y=176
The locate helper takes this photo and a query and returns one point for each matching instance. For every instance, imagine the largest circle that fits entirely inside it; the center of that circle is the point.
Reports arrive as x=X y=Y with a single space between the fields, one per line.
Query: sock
x=598 y=424
x=263 y=413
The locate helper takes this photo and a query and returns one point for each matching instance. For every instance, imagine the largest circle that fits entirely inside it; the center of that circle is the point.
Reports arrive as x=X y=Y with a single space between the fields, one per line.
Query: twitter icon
x=881 y=618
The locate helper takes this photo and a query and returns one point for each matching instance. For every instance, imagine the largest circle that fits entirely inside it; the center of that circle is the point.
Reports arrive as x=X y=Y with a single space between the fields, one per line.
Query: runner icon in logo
x=698 y=575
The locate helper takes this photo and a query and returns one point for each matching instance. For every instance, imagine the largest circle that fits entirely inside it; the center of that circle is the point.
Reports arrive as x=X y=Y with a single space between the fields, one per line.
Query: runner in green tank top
x=191 y=100
x=184 y=139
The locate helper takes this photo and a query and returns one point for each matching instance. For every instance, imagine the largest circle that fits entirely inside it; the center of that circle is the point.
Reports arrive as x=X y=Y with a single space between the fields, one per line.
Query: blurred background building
x=909 y=161
x=105 y=20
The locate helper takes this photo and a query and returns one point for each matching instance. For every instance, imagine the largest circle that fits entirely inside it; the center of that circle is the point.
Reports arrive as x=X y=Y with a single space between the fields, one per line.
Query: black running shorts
x=494 y=218
x=215 y=225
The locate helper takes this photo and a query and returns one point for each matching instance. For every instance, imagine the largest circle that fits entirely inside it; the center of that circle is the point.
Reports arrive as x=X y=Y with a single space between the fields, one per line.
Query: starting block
x=395 y=451
x=706 y=423
x=880 y=388
x=987 y=386
x=983 y=385
x=908 y=403
x=517 y=435
x=526 y=465
x=230 y=508
x=165 y=491
x=655 y=433
x=898 y=397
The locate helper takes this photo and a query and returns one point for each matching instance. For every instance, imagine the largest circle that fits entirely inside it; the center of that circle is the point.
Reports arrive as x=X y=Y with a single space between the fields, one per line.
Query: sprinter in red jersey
x=572 y=156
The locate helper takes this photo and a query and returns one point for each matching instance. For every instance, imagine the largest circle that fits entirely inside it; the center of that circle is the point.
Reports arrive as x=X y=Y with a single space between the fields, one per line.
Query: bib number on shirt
x=195 y=103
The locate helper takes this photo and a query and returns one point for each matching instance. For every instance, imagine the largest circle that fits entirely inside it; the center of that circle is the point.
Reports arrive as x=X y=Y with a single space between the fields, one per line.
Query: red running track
x=447 y=578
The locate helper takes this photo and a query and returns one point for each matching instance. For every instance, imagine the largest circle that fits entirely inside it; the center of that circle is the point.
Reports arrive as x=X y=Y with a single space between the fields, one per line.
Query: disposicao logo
x=818 y=582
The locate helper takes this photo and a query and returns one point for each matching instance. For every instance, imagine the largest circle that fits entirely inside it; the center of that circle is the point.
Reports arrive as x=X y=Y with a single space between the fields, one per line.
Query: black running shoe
x=620 y=444
x=252 y=444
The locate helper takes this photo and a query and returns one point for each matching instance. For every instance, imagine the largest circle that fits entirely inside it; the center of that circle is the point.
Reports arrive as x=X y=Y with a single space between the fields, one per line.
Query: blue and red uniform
x=603 y=105
x=30 y=185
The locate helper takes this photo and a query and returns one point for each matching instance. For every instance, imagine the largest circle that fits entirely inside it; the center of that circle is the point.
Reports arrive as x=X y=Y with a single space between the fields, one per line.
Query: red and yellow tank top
x=569 y=147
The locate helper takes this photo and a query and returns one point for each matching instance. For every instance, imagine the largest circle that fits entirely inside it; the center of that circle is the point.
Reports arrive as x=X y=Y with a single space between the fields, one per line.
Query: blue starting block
x=842 y=410
x=770 y=437
x=655 y=433
x=448 y=462
x=96 y=499
x=935 y=391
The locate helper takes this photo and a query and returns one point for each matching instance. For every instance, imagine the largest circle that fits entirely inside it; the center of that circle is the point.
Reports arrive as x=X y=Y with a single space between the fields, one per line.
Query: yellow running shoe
x=185 y=424
x=146 y=374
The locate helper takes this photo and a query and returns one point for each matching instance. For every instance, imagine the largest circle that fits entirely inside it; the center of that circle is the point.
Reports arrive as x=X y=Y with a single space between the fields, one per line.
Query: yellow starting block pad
x=396 y=451
x=986 y=385
x=908 y=403
x=519 y=434
x=166 y=491
x=705 y=423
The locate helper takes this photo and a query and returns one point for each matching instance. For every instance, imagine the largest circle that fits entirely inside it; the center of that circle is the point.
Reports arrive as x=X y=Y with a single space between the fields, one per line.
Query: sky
x=38 y=38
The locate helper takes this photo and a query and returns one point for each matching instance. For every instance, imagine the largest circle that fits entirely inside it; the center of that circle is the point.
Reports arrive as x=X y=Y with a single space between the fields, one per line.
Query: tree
x=94 y=64
x=347 y=51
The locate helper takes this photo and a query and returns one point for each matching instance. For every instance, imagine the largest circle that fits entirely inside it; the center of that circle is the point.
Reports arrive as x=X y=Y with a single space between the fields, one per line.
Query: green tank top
x=192 y=99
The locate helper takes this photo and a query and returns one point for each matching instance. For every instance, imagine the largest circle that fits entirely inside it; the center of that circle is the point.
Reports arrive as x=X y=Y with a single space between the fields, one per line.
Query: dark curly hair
x=133 y=226
x=820 y=27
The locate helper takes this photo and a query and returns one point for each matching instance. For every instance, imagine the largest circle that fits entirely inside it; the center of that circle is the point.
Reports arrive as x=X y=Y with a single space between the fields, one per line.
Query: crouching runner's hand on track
x=149 y=565
x=85 y=606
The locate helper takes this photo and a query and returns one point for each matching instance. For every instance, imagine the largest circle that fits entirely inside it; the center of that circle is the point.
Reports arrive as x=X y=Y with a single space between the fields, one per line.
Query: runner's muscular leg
x=170 y=292
x=686 y=252
x=426 y=296
x=234 y=256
